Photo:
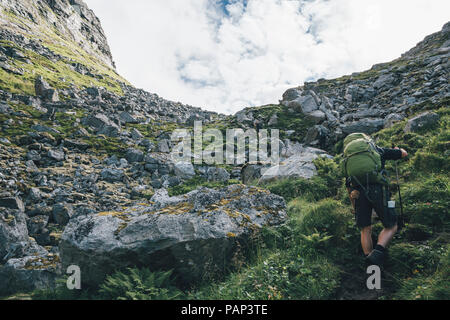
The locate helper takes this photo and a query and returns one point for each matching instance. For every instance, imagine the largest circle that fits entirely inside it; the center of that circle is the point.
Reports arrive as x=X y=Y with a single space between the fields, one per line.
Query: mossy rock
x=327 y=217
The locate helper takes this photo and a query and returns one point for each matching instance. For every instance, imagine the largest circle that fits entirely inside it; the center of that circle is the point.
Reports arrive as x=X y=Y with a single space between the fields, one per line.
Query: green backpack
x=361 y=160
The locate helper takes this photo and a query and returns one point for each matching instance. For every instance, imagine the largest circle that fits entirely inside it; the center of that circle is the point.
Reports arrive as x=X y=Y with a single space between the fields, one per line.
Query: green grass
x=57 y=73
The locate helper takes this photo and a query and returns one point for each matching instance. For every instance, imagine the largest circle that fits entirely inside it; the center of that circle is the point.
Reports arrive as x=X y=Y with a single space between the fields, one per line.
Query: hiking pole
x=401 y=222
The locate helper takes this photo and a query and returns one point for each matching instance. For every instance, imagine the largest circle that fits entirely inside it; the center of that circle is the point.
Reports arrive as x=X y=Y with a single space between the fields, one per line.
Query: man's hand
x=404 y=152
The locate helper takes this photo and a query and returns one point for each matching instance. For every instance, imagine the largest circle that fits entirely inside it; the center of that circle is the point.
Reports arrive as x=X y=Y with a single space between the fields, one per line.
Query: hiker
x=368 y=188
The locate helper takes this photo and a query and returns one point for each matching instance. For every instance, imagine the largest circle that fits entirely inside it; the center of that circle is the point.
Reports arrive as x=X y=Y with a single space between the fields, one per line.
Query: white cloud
x=190 y=51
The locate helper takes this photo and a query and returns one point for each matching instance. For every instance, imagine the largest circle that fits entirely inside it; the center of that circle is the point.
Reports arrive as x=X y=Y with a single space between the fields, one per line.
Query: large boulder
x=23 y=263
x=192 y=234
x=29 y=273
x=299 y=165
x=425 y=120
x=13 y=233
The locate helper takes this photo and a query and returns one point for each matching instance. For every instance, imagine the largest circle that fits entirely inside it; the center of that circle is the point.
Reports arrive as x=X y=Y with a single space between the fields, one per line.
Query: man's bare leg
x=386 y=236
x=366 y=240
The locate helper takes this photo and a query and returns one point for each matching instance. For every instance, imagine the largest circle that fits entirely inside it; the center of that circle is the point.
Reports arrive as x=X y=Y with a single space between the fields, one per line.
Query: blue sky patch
x=223 y=4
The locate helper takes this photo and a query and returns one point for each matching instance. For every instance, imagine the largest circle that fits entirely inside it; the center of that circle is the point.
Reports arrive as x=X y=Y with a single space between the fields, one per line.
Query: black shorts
x=379 y=197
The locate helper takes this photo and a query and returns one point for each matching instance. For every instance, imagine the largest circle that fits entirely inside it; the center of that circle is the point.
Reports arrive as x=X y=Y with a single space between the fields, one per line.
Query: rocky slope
x=76 y=138
x=84 y=156
x=364 y=101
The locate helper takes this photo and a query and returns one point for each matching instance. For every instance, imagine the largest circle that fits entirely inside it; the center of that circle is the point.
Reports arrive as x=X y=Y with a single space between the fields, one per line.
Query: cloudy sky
x=224 y=55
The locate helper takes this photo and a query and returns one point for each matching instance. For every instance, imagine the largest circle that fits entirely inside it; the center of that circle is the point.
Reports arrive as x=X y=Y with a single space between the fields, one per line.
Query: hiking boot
x=376 y=258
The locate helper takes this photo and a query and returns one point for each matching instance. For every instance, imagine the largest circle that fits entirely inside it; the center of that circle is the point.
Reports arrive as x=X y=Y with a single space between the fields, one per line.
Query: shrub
x=326 y=217
x=405 y=259
x=139 y=284
x=434 y=287
x=281 y=275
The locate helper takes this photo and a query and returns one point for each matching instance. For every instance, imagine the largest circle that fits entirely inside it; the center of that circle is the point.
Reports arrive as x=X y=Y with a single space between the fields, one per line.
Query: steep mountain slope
x=322 y=113
x=317 y=253
x=74 y=136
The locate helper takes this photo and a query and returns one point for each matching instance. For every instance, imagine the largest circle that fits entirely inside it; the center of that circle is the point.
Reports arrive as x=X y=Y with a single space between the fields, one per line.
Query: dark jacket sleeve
x=390 y=154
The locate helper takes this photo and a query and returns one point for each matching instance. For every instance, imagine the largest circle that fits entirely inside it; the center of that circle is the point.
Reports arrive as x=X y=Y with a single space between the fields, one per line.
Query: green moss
x=106 y=145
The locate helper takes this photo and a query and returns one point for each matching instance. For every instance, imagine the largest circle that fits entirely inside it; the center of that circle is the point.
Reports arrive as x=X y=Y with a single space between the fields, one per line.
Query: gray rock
x=127 y=118
x=299 y=166
x=192 y=234
x=163 y=146
x=62 y=212
x=244 y=116
x=102 y=124
x=425 y=120
x=12 y=203
x=317 y=135
x=112 y=175
x=29 y=273
x=57 y=155
x=5 y=141
x=75 y=144
x=43 y=89
x=384 y=80
x=184 y=170
x=217 y=174
x=33 y=155
x=273 y=120
x=252 y=171
x=391 y=119
x=5 y=109
x=111 y=130
x=13 y=233
x=317 y=116
x=134 y=155
x=305 y=104
x=51 y=95
x=37 y=224
x=41 y=128
x=35 y=194
x=157 y=184
x=291 y=94
x=31 y=166
x=136 y=134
